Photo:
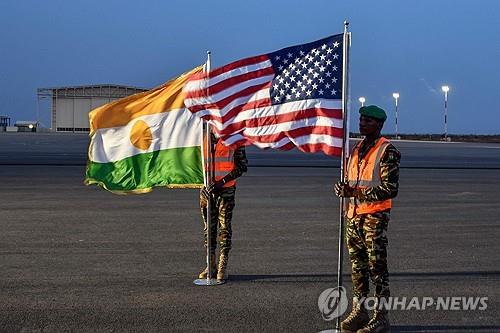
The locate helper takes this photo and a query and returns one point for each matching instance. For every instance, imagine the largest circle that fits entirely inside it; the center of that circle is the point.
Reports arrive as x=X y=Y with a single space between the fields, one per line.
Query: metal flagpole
x=344 y=158
x=208 y=179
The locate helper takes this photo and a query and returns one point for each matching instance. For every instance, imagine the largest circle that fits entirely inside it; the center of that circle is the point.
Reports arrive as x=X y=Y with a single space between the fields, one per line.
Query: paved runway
x=77 y=258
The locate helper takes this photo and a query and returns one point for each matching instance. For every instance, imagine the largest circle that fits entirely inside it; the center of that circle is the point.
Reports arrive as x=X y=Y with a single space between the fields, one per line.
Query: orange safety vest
x=366 y=173
x=223 y=159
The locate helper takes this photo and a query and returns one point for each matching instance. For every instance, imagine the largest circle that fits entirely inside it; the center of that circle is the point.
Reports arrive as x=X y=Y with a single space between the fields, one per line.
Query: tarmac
x=77 y=258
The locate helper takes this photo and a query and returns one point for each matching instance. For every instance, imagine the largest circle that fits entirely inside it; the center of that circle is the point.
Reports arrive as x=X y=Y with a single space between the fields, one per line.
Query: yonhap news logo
x=332 y=303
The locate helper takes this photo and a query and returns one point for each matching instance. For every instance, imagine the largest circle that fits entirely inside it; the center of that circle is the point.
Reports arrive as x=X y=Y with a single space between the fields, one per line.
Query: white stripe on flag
x=276 y=110
x=214 y=98
x=200 y=84
x=113 y=144
x=298 y=141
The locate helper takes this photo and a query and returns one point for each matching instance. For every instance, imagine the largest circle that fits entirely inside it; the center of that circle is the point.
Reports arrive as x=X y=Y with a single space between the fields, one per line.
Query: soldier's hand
x=216 y=186
x=343 y=190
x=205 y=193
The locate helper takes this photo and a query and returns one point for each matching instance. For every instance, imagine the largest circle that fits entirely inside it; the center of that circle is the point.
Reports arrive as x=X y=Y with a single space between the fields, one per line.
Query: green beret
x=373 y=111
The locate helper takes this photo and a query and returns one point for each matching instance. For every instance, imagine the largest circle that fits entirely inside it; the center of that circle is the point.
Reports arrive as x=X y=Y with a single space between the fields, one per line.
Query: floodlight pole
x=396 y=98
x=445 y=90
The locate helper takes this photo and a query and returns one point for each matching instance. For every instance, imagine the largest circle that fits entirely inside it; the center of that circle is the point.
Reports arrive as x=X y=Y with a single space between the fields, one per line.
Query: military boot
x=357 y=319
x=378 y=324
x=222 y=269
x=213 y=268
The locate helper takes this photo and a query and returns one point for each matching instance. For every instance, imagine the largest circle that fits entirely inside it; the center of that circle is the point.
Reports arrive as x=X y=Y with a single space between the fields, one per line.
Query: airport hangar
x=70 y=106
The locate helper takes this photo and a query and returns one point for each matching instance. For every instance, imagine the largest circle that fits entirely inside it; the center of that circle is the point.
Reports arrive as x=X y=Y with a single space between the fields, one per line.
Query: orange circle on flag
x=140 y=135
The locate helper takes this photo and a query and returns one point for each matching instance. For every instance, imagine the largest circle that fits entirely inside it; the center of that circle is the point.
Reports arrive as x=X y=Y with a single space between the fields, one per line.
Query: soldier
x=373 y=180
x=229 y=164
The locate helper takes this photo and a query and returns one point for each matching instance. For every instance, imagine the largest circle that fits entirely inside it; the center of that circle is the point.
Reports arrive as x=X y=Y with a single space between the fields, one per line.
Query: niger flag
x=146 y=140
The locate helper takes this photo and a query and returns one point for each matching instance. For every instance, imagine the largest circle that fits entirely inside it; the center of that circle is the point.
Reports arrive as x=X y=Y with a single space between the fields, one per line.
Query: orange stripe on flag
x=164 y=98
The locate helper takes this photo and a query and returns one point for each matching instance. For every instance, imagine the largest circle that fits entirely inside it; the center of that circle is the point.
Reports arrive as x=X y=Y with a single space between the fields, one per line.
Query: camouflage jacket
x=240 y=162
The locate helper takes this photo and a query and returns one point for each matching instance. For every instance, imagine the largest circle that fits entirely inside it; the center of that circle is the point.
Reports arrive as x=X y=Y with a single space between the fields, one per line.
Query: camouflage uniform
x=222 y=204
x=366 y=233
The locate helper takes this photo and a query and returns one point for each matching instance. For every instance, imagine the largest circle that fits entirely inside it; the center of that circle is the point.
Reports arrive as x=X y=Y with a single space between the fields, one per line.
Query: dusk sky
x=413 y=47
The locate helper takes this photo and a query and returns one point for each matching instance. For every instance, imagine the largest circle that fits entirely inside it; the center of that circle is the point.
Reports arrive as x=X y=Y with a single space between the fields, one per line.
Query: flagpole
x=344 y=157
x=208 y=179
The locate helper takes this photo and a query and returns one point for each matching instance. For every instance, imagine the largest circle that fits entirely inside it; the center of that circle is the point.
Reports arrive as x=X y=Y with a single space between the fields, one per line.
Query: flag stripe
x=139 y=173
x=246 y=79
x=234 y=65
x=166 y=97
x=223 y=98
x=274 y=113
x=294 y=133
x=113 y=144
x=204 y=81
x=304 y=143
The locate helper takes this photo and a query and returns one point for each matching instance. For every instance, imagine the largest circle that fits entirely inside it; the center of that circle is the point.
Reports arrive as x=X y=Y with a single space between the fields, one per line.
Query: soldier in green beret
x=372 y=182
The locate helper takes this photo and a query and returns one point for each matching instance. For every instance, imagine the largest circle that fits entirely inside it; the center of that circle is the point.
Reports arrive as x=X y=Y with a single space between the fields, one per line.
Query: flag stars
x=306 y=72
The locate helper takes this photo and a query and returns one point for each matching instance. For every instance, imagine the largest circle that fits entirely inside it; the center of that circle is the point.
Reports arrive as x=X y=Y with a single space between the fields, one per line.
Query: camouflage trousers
x=222 y=205
x=367 y=244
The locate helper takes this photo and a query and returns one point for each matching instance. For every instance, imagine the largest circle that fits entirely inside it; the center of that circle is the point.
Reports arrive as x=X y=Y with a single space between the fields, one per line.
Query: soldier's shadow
x=333 y=277
x=446 y=328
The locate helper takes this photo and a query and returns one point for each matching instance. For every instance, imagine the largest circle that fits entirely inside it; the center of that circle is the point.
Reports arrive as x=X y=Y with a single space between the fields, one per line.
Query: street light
x=362 y=100
x=445 y=90
x=396 y=98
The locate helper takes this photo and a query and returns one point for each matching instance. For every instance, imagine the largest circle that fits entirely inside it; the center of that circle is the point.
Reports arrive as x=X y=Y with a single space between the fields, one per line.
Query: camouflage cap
x=373 y=111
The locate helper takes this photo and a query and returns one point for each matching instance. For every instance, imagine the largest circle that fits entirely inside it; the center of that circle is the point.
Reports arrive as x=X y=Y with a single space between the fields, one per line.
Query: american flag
x=284 y=99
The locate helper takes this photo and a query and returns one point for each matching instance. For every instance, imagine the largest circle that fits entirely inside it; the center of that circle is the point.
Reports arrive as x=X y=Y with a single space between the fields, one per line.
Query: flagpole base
x=208 y=282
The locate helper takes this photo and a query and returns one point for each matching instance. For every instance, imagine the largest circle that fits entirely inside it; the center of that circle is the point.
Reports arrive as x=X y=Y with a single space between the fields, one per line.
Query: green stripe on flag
x=177 y=167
